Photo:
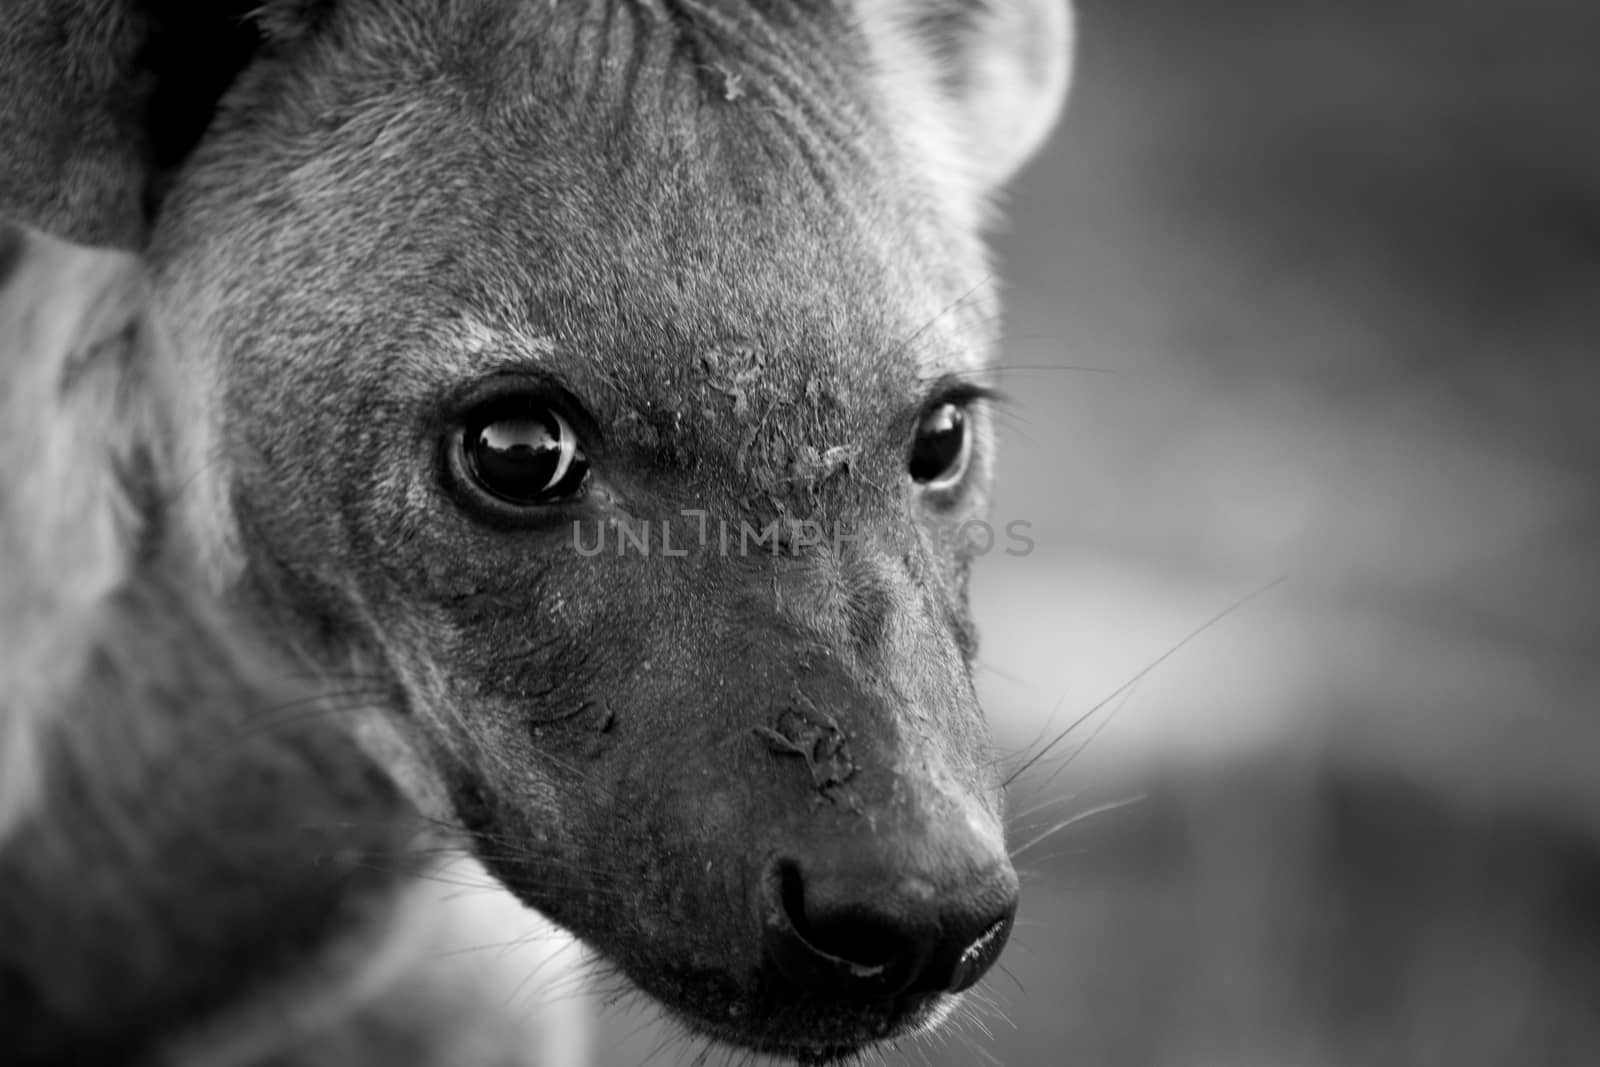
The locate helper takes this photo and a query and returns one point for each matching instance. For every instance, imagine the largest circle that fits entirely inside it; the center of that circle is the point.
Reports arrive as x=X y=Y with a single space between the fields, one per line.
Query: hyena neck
x=203 y=831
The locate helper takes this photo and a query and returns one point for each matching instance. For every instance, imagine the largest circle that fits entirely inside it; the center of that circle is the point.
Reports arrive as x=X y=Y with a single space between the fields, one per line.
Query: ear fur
x=98 y=97
x=980 y=83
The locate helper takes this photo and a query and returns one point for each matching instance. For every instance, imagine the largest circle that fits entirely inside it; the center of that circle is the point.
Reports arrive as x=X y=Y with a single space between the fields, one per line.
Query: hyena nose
x=846 y=934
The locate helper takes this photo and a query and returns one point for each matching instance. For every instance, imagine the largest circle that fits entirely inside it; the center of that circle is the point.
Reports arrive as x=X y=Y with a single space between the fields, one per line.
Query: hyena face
x=606 y=379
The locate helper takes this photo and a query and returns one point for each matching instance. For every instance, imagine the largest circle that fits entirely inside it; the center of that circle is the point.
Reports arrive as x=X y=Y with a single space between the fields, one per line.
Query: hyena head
x=603 y=380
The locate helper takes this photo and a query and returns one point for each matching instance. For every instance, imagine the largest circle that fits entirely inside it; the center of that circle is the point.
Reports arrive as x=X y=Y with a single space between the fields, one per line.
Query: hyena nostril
x=975 y=959
x=838 y=950
x=865 y=941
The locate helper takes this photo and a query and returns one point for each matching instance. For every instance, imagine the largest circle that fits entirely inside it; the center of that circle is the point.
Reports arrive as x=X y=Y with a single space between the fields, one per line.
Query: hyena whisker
x=1039 y=863
x=997 y=671
x=548 y=881
x=402 y=863
x=320 y=706
x=533 y=972
x=1031 y=924
x=1062 y=735
x=1081 y=817
x=674 y=1036
x=474 y=892
x=1099 y=727
x=1001 y=370
x=553 y=879
x=703 y=1056
x=1018 y=818
x=1053 y=368
x=999 y=755
x=208 y=461
x=1012 y=975
x=589 y=980
x=587 y=779
x=590 y=976
x=974 y=1047
x=313 y=675
x=983 y=1018
x=986 y=282
x=1143 y=673
x=619 y=993
x=967 y=1017
x=665 y=1030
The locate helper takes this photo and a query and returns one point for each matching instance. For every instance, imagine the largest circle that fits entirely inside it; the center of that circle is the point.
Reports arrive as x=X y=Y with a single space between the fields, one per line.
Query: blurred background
x=1302 y=313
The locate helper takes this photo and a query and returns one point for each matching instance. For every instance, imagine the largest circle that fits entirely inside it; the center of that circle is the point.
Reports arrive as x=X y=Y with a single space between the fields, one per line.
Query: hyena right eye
x=942 y=448
x=521 y=451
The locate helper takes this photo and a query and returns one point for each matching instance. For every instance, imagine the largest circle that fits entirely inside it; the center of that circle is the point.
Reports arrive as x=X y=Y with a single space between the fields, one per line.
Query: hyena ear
x=983 y=80
x=101 y=98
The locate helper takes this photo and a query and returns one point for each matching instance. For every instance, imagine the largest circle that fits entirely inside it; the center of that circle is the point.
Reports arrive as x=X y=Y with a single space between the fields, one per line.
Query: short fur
x=741 y=236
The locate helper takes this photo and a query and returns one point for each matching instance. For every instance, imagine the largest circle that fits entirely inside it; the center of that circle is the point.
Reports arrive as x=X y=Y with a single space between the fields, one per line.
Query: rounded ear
x=990 y=74
x=99 y=97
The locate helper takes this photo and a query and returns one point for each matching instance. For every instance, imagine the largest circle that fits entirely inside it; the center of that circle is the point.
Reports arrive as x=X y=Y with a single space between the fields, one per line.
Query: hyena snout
x=882 y=914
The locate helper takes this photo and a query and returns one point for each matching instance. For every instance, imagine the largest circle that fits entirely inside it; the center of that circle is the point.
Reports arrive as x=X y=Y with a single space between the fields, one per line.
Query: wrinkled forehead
x=654 y=178
x=723 y=175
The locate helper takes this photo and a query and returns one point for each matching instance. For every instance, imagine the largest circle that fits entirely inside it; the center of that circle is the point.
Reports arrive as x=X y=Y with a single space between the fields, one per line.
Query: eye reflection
x=524 y=453
x=942 y=448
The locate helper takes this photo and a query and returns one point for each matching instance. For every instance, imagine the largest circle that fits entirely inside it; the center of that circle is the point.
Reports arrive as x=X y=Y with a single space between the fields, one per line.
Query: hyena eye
x=942 y=448
x=523 y=452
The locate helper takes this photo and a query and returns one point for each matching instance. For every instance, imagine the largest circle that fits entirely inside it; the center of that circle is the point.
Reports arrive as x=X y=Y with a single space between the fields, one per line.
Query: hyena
x=395 y=305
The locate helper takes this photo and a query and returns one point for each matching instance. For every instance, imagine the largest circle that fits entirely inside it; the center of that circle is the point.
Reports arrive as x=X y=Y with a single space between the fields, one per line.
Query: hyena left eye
x=942 y=448
x=523 y=452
